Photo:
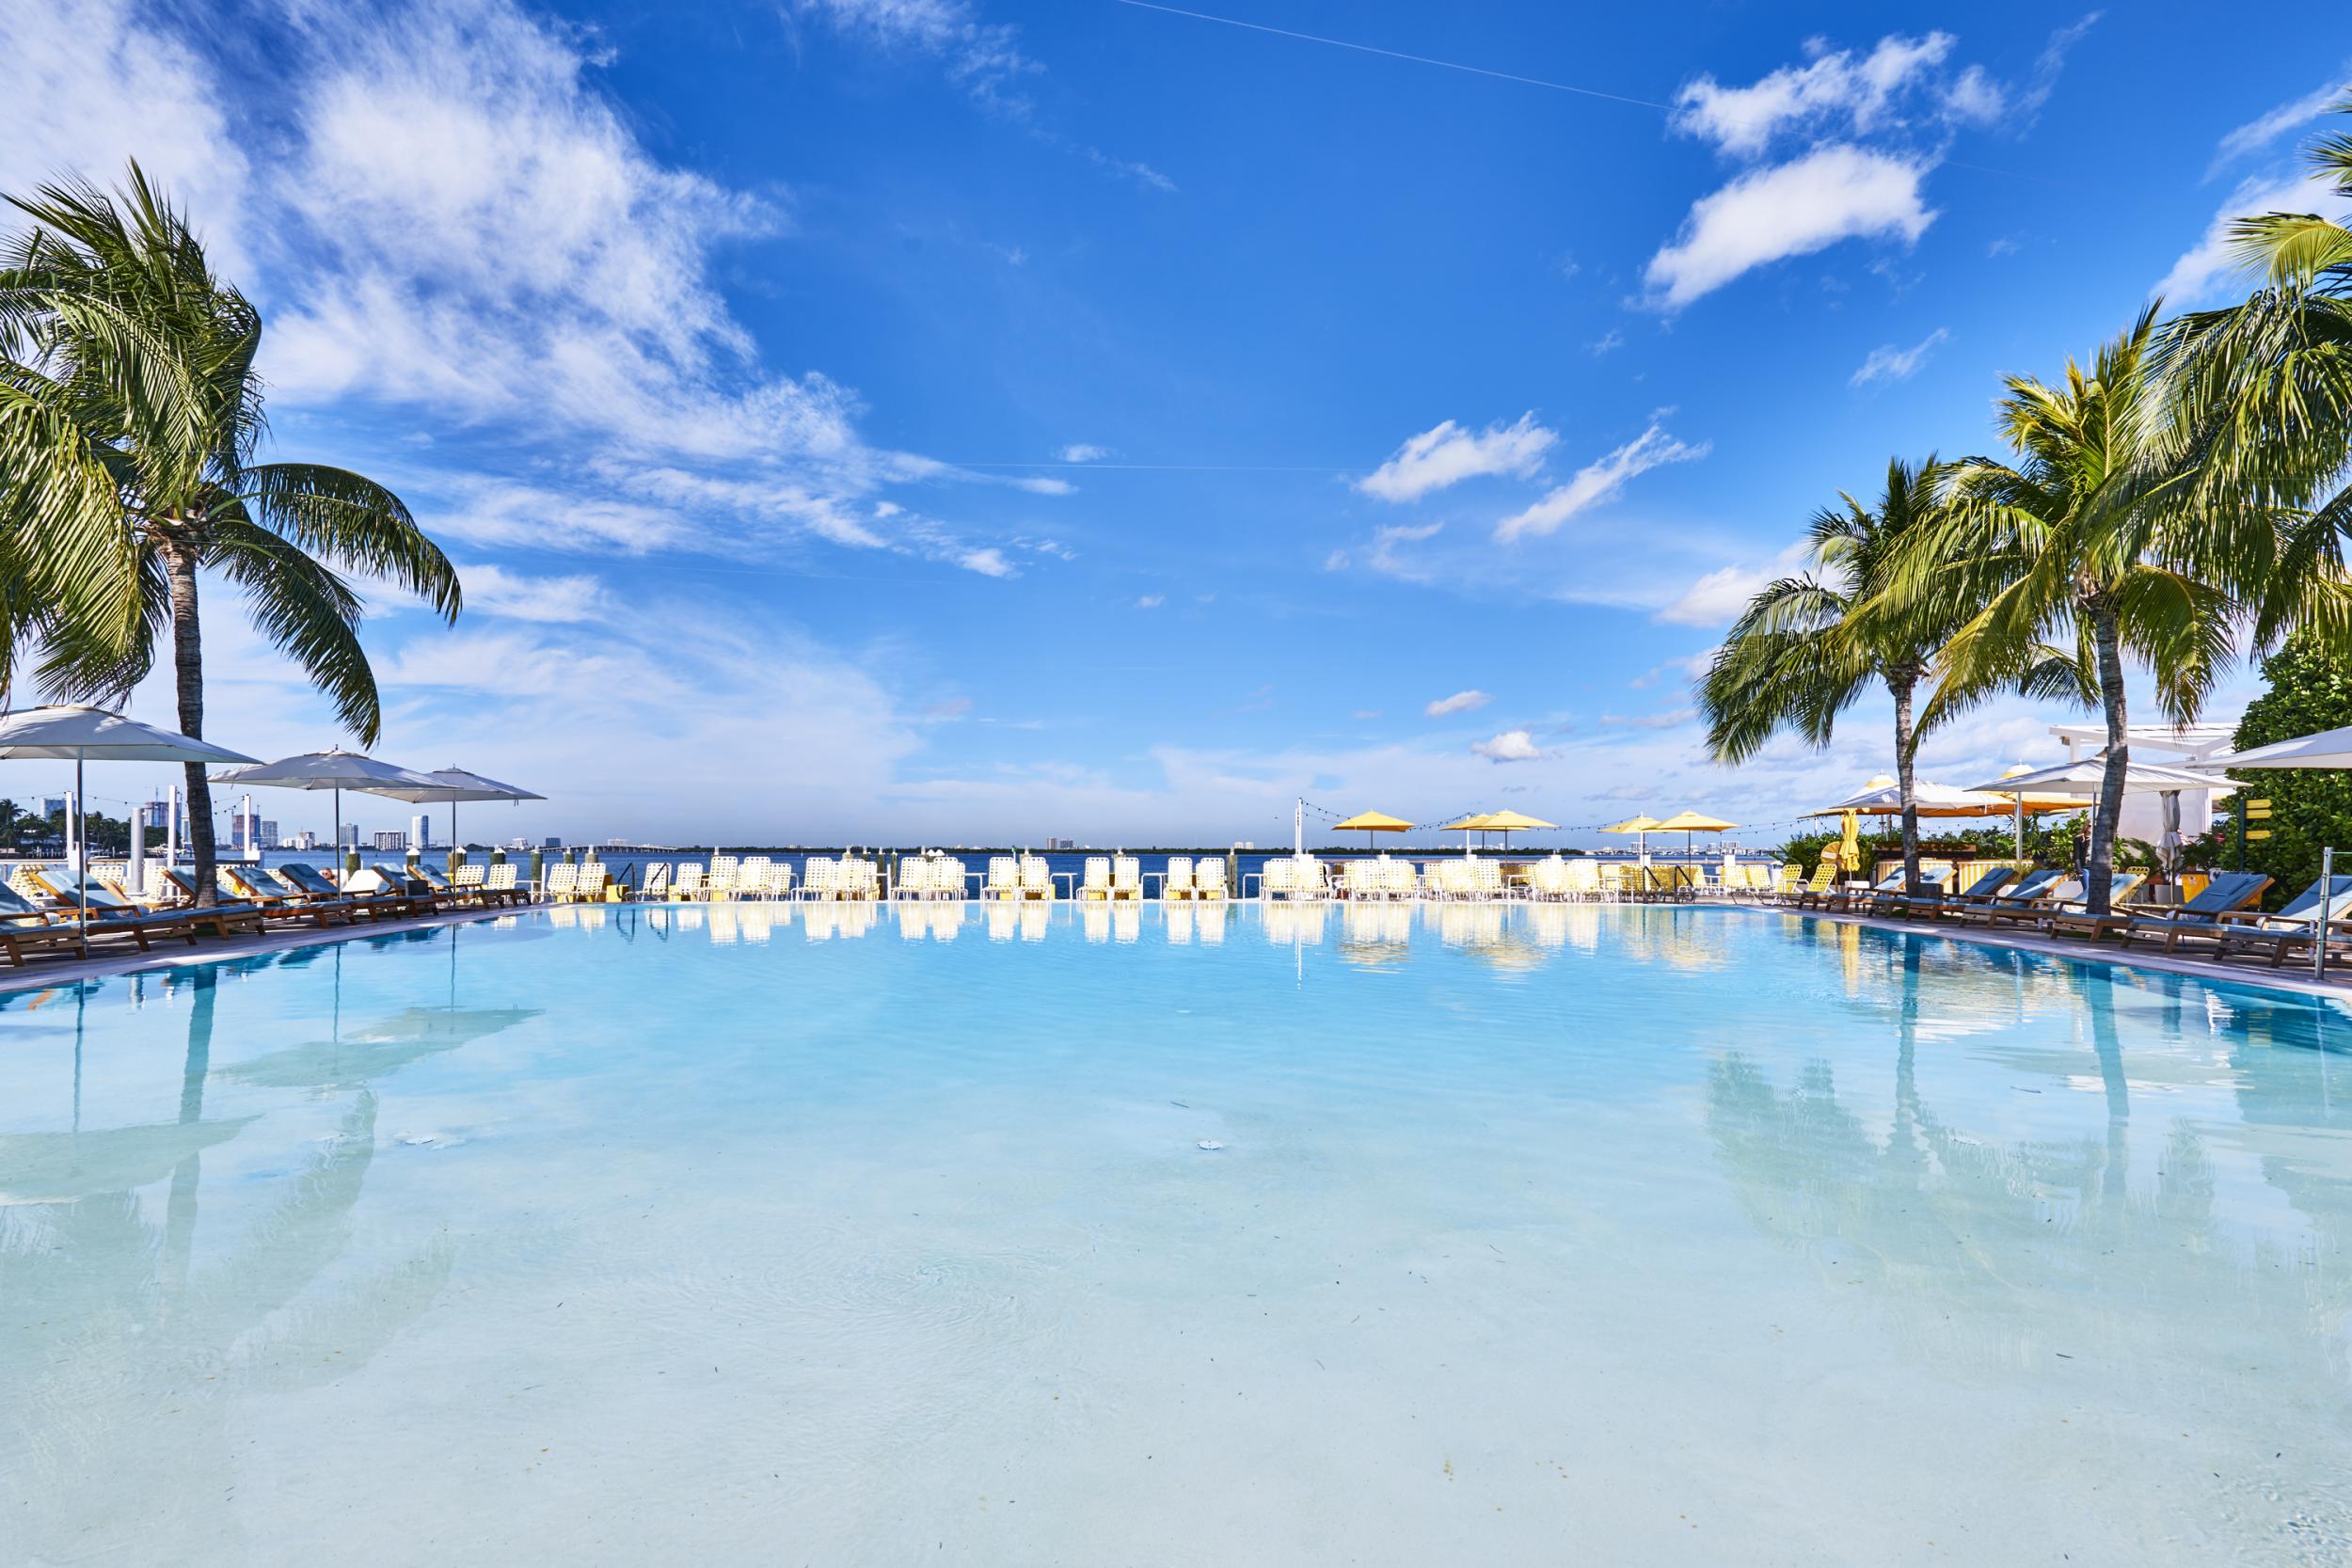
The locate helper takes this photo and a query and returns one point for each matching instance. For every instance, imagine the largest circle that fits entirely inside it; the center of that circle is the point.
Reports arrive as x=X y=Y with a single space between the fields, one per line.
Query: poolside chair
x=1851 y=901
x=2295 y=925
x=1004 y=878
x=1548 y=879
x=384 y=898
x=465 y=881
x=26 y=921
x=1935 y=899
x=594 y=879
x=1208 y=884
x=499 y=885
x=2071 y=915
x=1819 y=890
x=750 y=877
x=1098 y=879
x=1177 y=883
x=780 y=880
x=2020 y=897
x=1036 y=882
x=1274 y=881
x=562 y=883
x=278 y=899
x=2228 y=892
x=1126 y=879
x=718 y=882
x=1486 y=881
x=1360 y=880
x=861 y=880
x=820 y=877
x=653 y=882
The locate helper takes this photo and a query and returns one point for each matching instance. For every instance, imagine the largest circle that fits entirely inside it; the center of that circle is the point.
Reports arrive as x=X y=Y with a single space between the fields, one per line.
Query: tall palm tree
x=2094 y=536
x=1810 y=648
x=130 y=417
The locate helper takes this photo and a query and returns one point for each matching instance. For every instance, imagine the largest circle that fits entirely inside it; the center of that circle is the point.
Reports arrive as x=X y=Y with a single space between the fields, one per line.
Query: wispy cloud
x=1461 y=702
x=1888 y=363
x=1450 y=453
x=1673 y=719
x=1719 y=596
x=1151 y=601
x=1835 y=192
x=2259 y=132
x=1079 y=451
x=1597 y=481
x=2200 y=273
x=1835 y=91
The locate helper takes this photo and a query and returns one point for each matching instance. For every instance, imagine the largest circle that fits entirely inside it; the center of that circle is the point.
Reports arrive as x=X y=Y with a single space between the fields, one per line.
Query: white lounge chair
x=1126 y=879
x=1036 y=882
x=652 y=883
x=1004 y=878
x=1098 y=879
x=750 y=877
x=1178 y=882
x=821 y=878
x=1208 y=884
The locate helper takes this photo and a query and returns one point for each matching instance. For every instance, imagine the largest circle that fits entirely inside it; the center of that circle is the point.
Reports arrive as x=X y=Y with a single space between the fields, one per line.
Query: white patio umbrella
x=453 y=785
x=2080 y=781
x=337 y=771
x=70 y=731
x=2328 y=748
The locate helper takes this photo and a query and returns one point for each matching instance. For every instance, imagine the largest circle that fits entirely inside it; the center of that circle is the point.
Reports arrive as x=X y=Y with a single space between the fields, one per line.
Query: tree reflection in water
x=128 y=1348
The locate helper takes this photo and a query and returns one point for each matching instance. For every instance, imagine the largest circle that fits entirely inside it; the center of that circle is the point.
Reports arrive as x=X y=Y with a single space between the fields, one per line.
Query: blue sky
x=945 y=420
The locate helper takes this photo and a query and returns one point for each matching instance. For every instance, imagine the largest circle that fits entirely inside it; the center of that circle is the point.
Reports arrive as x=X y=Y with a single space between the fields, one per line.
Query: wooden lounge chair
x=319 y=894
x=2228 y=891
x=1939 y=905
x=25 y=927
x=1854 y=899
x=2024 y=897
x=1903 y=901
x=2072 y=917
x=2293 y=926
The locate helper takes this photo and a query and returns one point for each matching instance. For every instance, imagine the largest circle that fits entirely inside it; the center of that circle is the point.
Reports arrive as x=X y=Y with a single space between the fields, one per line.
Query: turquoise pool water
x=806 y=1235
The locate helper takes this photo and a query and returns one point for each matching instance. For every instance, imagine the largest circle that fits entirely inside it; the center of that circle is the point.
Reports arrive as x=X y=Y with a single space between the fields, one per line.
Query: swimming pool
x=1145 y=1236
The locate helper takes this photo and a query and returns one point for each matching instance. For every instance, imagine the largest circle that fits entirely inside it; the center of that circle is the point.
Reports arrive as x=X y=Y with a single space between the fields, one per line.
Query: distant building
x=303 y=840
x=550 y=843
x=391 y=839
x=52 y=805
x=519 y=844
x=421 y=831
x=266 y=832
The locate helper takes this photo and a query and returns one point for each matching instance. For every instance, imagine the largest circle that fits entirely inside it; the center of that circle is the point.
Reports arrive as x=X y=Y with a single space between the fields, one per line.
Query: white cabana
x=71 y=732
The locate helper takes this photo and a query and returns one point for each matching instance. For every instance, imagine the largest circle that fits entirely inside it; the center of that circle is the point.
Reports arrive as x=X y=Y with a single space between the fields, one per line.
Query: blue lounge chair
x=2021 y=895
x=1927 y=899
x=2293 y=926
x=2228 y=891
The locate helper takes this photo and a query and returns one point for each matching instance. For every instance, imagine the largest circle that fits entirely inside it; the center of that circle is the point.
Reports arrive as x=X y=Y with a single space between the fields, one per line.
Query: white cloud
x=1835 y=192
x=1836 y=91
x=1608 y=342
x=1450 y=453
x=990 y=562
x=1510 y=746
x=2204 y=271
x=1385 y=557
x=1597 y=481
x=1079 y=451
x=1152 y=601
x=93 y=89
x=492 y=590
x=1718 y=597
x=984 y=58
x=1888 y=363
x=1976 y=97
x=2260 y=131
x=1673 y=719
x=1461 y=702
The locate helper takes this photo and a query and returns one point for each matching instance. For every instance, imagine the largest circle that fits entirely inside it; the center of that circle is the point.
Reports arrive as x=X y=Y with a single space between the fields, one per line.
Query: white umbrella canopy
x=73 y=731
x=2081 y=780
x=2328 y=748
x=337 y=771
x=1882 y=796
x=453 y=785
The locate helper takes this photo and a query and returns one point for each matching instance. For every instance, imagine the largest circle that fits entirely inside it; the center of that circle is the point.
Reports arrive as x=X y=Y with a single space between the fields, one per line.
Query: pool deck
x=51 y=970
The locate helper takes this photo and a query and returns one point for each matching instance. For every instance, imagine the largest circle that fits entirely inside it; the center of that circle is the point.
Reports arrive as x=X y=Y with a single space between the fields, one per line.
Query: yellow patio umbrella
x=1475 y=822
x=1509 y=822
x=1371 y=822
x=1641 y=825
x=1688 y=823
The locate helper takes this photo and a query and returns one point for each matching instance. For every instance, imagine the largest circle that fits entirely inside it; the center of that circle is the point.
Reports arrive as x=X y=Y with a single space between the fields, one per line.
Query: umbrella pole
x=81 y=851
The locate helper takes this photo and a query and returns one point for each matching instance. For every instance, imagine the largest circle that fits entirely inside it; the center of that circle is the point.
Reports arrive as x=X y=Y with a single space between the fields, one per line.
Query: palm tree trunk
x=1905 y=741
x=187 y=657
x=2108 y=639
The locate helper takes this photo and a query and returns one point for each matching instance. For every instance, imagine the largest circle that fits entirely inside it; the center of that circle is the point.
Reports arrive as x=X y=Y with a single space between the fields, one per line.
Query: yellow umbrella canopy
x=1641 y=825
x=1371 y=822
x=1689 y=823
x=1475 y=822
x=1509 y=822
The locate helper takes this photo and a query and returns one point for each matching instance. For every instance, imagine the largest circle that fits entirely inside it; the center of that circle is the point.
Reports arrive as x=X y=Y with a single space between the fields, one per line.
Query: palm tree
x=130 y=417
x=2260 y=395
x=1810 y=648
x=2095 y=537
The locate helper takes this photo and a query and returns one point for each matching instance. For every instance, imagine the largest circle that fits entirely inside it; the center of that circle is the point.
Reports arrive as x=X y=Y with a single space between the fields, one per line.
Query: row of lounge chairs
x=47 y=908
x=2220 y=922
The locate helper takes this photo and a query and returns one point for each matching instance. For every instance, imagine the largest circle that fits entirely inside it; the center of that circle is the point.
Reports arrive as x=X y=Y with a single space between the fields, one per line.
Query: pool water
x=1028 y=1236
